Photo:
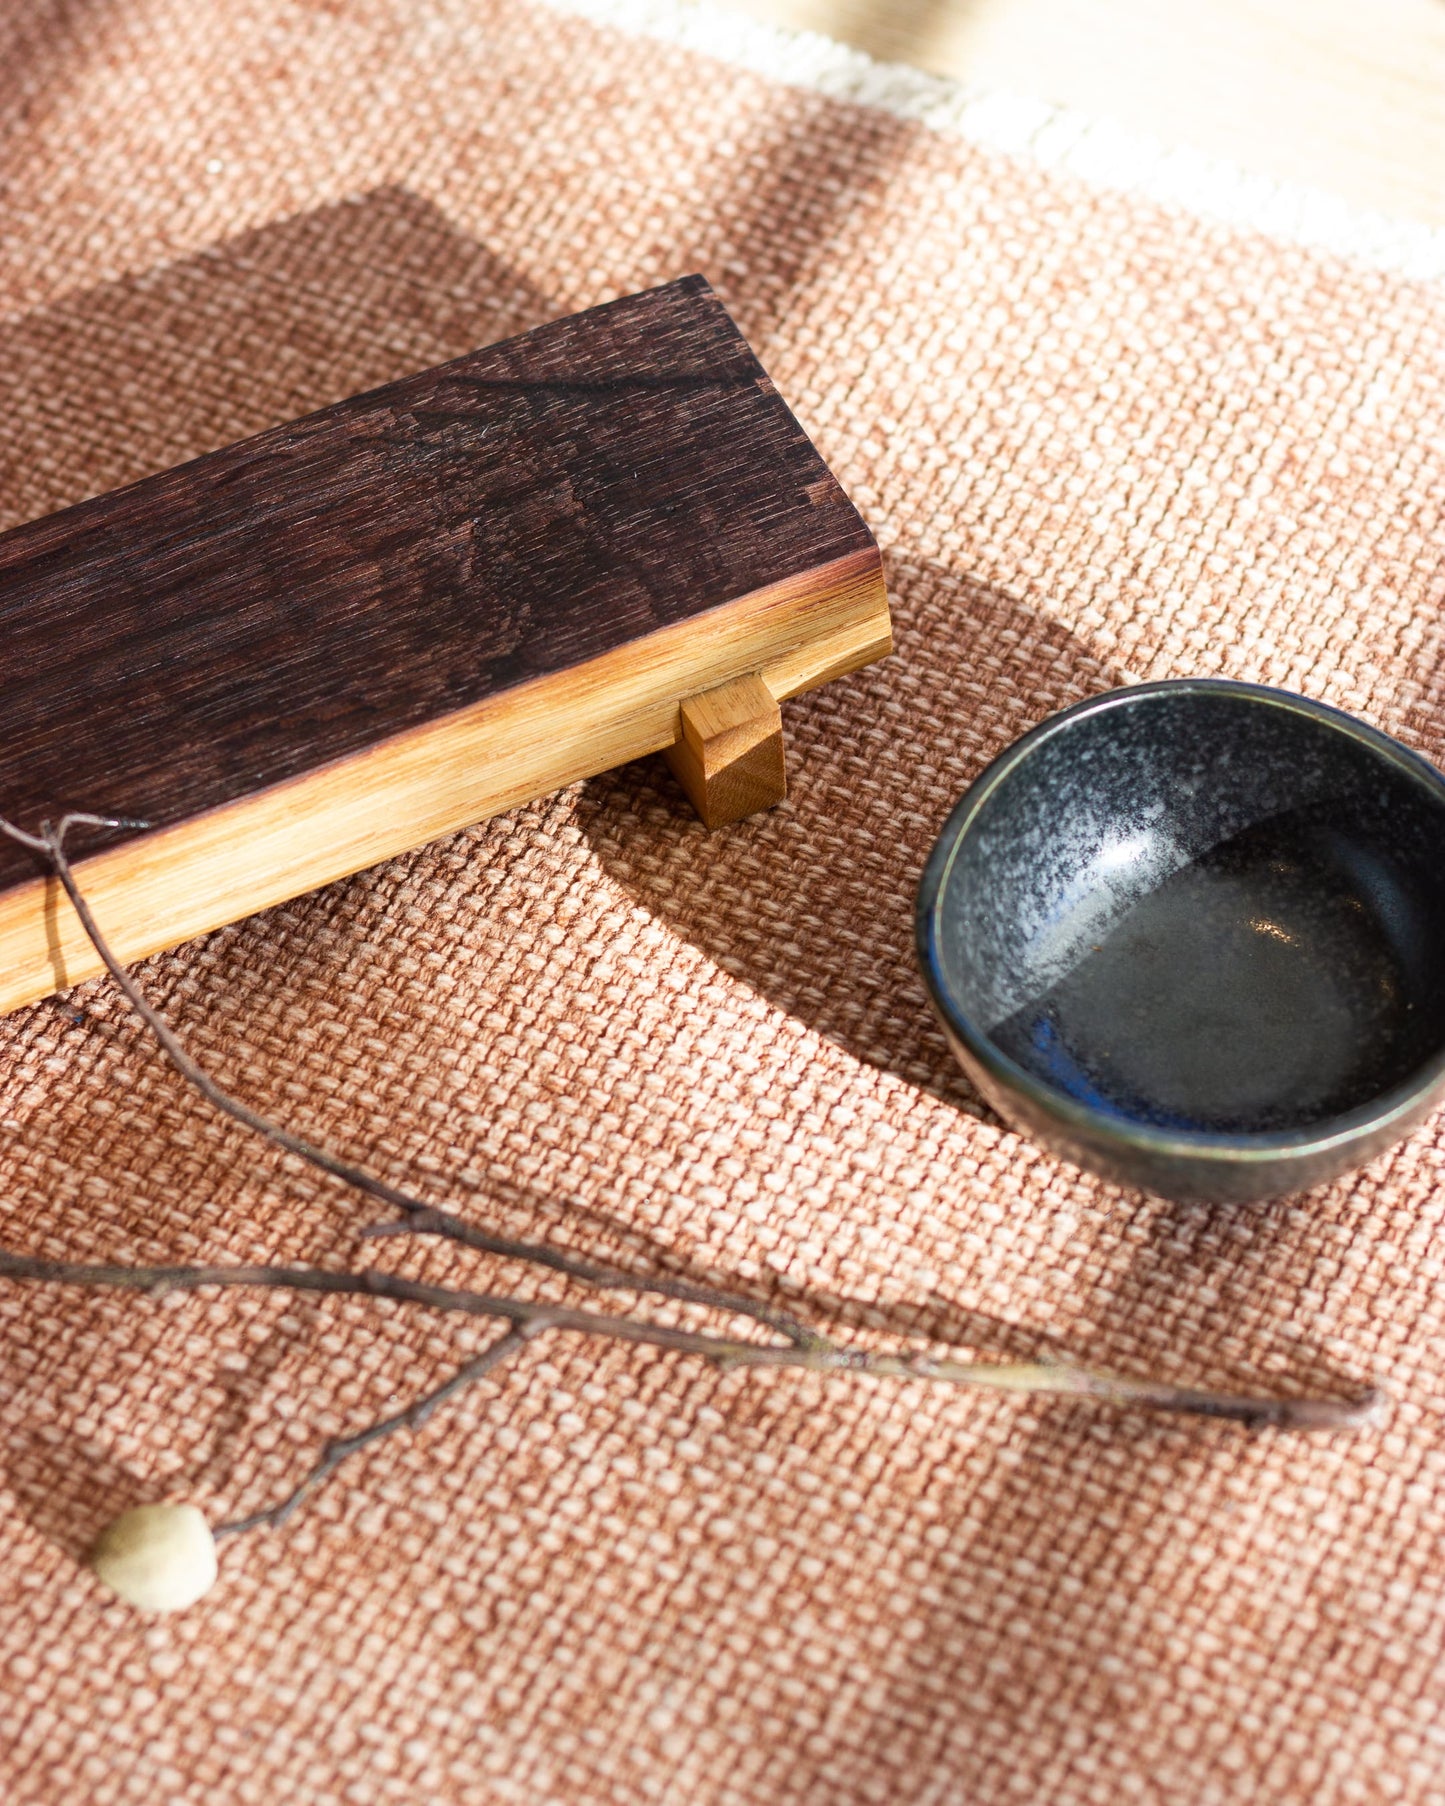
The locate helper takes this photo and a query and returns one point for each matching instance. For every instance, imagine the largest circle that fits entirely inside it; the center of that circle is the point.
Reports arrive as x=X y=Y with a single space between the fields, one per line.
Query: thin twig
x=424 y=1217
x=411 y=1418
x=821 y=1356
x=799 y=1346
x=453 y=1229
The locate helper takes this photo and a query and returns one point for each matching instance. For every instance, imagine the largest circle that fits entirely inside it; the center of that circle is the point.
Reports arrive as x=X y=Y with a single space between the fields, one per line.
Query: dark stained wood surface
x=294 y=599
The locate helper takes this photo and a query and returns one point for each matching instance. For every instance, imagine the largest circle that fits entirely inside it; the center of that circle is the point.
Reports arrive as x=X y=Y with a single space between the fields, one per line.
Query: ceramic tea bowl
x=1191 y=936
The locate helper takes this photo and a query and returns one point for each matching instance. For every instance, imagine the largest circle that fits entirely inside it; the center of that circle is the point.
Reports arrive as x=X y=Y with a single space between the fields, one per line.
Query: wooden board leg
x=728 y=755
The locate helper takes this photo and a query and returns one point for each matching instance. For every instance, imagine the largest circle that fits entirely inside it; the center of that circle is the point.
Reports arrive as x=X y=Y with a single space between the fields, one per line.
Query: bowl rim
x=1398 y=1104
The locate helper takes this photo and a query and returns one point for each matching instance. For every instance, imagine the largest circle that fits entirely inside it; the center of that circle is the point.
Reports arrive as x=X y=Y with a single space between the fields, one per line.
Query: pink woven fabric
x=1099 y=440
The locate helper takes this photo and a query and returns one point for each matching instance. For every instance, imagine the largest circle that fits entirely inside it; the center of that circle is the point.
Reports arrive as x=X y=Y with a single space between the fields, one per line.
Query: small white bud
x=159 y=1557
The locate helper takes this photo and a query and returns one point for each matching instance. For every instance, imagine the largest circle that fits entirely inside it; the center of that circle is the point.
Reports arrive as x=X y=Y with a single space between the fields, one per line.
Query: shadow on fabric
x=811 y=905
x=136 y=375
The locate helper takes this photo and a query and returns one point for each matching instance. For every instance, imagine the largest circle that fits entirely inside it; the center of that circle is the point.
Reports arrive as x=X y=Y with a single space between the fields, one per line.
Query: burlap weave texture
x=1099 y=441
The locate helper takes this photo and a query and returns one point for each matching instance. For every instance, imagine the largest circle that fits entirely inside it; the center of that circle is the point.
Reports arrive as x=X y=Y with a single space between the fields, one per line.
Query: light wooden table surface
x=1344 y=95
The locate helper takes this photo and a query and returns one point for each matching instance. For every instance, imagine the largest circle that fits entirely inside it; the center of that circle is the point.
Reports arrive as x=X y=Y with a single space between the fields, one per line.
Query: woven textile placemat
x=1102 y=437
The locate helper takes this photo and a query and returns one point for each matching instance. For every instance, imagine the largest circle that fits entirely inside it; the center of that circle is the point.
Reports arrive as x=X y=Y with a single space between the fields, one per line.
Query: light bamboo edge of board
x=163 y=888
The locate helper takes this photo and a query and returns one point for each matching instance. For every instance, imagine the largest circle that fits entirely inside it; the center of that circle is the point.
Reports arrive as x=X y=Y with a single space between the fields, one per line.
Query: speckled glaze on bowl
x=1191 y=936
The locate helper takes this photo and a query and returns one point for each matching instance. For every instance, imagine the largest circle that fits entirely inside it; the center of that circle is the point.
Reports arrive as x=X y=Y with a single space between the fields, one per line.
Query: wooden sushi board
x=312 y=650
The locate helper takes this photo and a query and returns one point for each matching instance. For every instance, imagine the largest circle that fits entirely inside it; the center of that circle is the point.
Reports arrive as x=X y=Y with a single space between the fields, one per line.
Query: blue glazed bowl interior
x=1204 y=908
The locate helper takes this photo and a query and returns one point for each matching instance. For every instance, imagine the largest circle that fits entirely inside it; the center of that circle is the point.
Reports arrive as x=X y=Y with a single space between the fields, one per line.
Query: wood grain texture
x=311 y=650
x=728 y=755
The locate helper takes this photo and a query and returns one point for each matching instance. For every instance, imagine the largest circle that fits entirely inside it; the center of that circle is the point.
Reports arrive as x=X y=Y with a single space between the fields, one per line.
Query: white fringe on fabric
x=1096 y=151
